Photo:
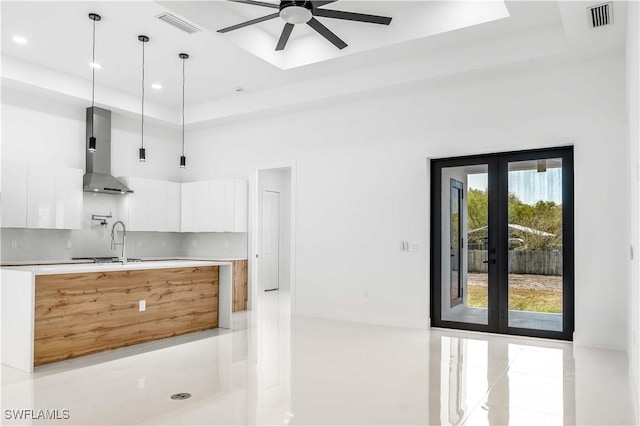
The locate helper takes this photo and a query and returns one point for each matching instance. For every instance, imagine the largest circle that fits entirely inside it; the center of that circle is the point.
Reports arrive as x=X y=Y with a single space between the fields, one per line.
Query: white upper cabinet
x=214 y=206
x=41 y=195
x=13 y=200
x=153 y=206
x=69 y=198
x=236 y=201
x=187 y=207
x=172 y=213
x=217 y=212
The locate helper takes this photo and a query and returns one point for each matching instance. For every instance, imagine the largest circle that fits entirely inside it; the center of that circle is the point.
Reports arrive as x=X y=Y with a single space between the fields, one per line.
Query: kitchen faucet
x=122 y=258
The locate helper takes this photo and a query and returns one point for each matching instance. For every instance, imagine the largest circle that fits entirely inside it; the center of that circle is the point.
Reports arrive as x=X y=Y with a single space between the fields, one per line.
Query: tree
x=545 y=216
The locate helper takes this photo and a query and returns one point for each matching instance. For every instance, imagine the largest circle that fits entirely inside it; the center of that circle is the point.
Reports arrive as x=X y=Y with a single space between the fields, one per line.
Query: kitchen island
x=55 y=312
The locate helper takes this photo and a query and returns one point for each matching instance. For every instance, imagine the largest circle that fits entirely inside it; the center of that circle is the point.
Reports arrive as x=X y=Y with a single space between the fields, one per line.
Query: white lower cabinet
x=154 y=205
x=41 y=196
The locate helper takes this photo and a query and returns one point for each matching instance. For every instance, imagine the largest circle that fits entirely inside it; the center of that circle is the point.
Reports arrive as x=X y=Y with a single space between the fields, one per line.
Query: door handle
x=490 y=261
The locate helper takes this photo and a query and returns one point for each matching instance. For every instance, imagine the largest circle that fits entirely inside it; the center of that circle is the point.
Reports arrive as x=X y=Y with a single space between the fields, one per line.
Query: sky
x=529 y=186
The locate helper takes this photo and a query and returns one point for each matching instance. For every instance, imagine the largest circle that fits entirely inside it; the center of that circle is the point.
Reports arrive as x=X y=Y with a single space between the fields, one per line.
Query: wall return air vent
x=178 y=23
x=600 y=15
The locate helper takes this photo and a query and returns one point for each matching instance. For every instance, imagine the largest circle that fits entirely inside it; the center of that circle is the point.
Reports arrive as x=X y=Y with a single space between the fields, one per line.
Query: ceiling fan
x=295 y=12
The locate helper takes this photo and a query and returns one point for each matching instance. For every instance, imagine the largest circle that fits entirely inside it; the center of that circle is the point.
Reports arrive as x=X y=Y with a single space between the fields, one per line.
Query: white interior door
x=270 y=236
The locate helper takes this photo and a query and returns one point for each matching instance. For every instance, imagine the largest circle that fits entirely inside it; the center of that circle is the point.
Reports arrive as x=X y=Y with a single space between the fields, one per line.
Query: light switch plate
x=142 y=305
x=14 y=244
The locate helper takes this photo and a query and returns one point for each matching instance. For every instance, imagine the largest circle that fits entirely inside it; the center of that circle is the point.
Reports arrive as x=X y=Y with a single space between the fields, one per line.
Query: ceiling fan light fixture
x=296 y=12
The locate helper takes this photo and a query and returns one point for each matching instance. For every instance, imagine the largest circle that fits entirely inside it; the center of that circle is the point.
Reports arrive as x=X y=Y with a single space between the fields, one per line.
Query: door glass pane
x=535 y=244
x=465 y=212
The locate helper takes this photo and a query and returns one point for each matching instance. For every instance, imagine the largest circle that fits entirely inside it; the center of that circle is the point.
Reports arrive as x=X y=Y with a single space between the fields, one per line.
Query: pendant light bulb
x=142 y=157
x=183 y=159
x=92 y=144
x=92 y=140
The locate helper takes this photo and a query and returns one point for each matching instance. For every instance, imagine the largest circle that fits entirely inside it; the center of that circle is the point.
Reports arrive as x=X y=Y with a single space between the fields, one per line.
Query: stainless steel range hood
x=98 y=176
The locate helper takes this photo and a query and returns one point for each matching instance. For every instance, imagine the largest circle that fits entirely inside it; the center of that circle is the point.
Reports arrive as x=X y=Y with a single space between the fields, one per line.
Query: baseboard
x=602 y=341
x=421 y=324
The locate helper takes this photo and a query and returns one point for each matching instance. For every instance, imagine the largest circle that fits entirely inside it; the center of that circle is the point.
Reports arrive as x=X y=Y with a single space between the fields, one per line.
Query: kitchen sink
x=107 y=259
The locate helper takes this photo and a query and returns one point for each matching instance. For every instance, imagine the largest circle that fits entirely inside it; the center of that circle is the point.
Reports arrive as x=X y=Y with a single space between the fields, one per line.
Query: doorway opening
x=502 y=243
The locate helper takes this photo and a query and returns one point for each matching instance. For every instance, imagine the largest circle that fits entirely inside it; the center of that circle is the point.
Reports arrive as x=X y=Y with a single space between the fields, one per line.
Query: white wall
x=362 y=185
x=633 y=122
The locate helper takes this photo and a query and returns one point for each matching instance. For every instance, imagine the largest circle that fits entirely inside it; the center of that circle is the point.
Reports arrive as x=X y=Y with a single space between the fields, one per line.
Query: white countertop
x=144 y=259
x=106 y=267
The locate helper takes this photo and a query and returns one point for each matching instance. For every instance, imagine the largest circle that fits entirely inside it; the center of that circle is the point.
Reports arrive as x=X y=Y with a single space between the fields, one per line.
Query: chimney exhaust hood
x=98 y=176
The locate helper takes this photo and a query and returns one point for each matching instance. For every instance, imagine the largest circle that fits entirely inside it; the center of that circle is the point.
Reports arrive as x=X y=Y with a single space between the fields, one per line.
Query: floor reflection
x=276 y=370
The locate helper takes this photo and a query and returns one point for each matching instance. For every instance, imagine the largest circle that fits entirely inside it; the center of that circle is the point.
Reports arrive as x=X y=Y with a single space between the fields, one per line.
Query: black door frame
x=498 y=234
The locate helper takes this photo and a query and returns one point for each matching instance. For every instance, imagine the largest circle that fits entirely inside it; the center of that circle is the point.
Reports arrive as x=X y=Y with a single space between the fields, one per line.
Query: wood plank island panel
x=79 y=314
x=239 y=285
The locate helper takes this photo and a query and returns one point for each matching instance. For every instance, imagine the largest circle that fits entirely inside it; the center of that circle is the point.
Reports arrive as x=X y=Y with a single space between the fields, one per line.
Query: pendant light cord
x=142 y=130
x=93 y=68
x=183 y=59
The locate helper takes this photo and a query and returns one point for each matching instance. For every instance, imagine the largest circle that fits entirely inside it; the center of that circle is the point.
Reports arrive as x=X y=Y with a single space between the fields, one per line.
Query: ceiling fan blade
x=318 y=3
x=351 y=16
x=326 y=33
x=284 y=37
x=257 y=3
x=251 y=22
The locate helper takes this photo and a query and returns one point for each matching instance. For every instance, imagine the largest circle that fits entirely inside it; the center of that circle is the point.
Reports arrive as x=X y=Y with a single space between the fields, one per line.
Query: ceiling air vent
x=600 y=15
x=178 y=23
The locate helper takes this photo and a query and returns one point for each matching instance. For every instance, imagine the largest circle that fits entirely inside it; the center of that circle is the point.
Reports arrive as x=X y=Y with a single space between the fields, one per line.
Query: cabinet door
x=187 y=207
x=13 y=197
x=216 y=206
x=136 y=216
x=241 y=205
x=68 y=204
x=173 y=207
x=236 y=203
x=41 y=196
x=155 y=199
x=201 y=207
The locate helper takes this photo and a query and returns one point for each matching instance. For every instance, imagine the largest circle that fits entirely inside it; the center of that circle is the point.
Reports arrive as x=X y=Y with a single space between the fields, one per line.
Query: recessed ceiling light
x=156 y=86
x=239 y=89
x=20 y=39
x=95 y=65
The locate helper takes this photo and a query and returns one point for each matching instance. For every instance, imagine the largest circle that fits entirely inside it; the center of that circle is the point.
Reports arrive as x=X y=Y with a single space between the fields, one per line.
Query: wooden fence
x=536 y=262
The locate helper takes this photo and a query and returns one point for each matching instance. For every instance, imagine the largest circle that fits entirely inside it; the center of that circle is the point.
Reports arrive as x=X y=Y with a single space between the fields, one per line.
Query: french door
x=502 y=243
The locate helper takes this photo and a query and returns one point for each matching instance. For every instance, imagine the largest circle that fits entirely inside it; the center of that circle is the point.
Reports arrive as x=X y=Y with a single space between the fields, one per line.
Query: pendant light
x=92 y=140
x=183 y=159
x=142 y=157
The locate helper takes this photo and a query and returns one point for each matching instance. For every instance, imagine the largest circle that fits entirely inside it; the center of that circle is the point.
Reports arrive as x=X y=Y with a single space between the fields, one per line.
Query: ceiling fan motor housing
x=296 y=11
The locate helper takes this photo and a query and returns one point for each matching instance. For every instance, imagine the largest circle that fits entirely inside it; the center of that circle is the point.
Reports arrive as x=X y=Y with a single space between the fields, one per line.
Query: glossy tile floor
x=274 y=370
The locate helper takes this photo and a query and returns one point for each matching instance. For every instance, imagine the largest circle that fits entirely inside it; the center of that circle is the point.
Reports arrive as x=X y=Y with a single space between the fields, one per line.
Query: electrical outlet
x=14 y=244
x=69 y=245
x=141 y=381
x=194 y=243
x=142 y=305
